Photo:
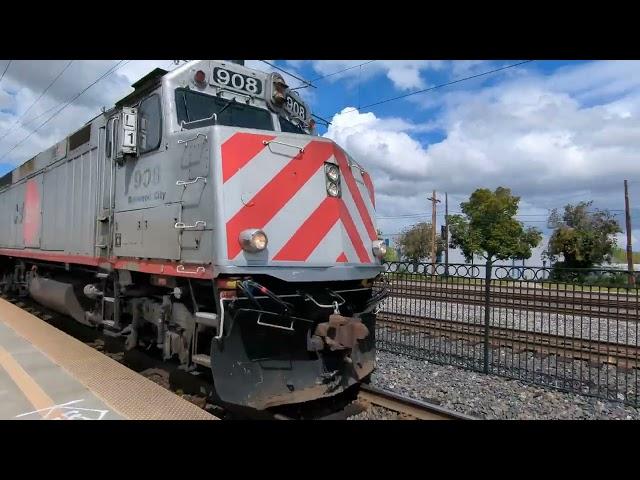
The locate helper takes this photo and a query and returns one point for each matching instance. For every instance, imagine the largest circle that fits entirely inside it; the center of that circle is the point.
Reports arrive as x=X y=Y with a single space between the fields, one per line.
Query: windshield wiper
x=233 y=100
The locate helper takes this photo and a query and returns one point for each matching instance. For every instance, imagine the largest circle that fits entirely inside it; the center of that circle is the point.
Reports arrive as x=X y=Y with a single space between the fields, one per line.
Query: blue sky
x=567 y=80
x=553 y=131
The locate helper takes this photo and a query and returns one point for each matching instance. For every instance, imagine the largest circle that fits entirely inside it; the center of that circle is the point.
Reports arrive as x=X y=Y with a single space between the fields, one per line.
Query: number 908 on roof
x=272 y=87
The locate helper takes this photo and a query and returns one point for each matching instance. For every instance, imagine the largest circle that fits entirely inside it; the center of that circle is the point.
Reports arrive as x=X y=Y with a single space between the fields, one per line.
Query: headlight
x=253 y=240
x=379 y=248
x=333 y=173
x=332 y=189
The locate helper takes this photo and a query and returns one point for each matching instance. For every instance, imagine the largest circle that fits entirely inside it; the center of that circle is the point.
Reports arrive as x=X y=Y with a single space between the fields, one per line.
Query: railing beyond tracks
x=576 y=330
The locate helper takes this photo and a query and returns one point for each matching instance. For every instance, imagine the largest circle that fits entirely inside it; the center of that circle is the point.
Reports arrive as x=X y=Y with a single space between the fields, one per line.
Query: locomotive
x=202 y=216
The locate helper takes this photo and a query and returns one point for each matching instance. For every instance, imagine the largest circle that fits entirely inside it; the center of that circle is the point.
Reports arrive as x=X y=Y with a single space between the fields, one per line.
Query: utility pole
x=446 y=233
x=434 y=200
x=628 y=226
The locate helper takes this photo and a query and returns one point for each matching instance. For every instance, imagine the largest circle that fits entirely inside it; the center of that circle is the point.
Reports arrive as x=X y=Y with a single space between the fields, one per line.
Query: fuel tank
x=57 y=296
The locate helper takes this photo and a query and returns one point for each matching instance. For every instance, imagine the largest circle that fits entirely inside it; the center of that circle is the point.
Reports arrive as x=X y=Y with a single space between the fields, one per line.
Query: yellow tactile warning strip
x=29 y=387
x=125 y=391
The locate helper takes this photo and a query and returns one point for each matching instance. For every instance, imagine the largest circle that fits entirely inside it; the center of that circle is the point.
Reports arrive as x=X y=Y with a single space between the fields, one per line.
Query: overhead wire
x=5 y=70
x=435 y=87
x=341 y=71
x=289 y=73
x=12 y=128
x=119 y=65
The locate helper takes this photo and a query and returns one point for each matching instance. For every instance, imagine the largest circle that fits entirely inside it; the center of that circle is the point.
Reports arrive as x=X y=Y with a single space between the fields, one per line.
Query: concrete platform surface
x=47 y=374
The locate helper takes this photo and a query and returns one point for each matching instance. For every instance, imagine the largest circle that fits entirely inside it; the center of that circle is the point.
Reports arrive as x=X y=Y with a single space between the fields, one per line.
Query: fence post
x=487 y=313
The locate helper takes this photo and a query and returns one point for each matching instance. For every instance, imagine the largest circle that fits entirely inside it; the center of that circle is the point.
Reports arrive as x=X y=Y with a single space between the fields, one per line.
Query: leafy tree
x=415 y=242
x=391 y=255
x=583 y=238
x=488 y=227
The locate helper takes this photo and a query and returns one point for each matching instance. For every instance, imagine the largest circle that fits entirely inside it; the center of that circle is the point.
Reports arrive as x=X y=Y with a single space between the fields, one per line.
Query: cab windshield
x=196 y=110
x=287 y=126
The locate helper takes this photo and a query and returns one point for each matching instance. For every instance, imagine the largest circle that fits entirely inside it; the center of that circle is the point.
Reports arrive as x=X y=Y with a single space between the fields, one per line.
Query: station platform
x=47 y=374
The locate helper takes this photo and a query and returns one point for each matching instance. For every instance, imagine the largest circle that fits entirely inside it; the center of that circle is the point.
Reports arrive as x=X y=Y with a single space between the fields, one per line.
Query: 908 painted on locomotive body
x=204 y=217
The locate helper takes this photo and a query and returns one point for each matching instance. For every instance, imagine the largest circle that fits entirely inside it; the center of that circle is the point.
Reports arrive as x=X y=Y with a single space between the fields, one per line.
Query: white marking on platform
x=67 y=412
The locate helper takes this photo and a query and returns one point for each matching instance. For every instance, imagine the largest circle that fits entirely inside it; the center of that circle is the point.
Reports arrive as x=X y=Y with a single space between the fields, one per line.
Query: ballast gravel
x=485 y=396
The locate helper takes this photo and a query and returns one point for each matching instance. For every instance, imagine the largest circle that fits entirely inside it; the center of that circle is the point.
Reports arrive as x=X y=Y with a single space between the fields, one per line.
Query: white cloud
x=595 y=80
x=6 y=101
x=465 y=68
x=404 y=74
x=381 y=144
x=553 y=138
x=532 y=133
x=26 y=80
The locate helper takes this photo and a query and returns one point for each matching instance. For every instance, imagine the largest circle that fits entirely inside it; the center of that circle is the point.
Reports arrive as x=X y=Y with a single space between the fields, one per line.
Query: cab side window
x=149 y=124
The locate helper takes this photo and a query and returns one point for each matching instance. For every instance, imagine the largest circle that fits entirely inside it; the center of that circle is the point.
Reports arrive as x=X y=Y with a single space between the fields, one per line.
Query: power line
x=5 y=70
x=519 y=215
x=289 y=73
x=441 y=215
x=326 y=122
x=343 y=70
x=42 y=114
x=108 y=72
x=104 y=75
x=438 y=86
x=323 y=120
x=37 y=100
x=446 y=84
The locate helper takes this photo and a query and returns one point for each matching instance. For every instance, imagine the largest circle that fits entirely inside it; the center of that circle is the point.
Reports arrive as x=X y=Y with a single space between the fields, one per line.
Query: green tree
x=415 y=242
x=391 y=255
x=583 y=238
x=488 y=227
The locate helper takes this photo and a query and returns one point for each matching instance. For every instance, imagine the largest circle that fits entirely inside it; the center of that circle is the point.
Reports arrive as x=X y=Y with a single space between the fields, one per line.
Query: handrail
x=214 y=116
x=267 y=142
x=182 y=226
x=181 y=183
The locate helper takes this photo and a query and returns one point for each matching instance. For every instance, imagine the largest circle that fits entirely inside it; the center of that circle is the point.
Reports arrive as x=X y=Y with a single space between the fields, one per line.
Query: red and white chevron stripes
x=283 y=192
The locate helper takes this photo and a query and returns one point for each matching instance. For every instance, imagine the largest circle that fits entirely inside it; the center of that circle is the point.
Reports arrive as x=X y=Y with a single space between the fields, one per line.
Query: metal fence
x=575 y=330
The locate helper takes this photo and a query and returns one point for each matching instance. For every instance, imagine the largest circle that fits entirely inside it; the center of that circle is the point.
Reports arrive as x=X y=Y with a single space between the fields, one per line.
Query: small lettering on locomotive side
x=145 y=198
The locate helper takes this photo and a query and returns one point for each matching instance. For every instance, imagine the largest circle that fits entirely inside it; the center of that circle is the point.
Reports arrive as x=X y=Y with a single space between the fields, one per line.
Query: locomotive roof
x=149 y=81
x=141 y=87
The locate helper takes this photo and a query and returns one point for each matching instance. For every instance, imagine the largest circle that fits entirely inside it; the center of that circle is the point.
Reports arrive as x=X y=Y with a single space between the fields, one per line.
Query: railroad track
x=613 y=308
x=195 y=388
x=616 y=295
x=593 y=351
x=407 y=407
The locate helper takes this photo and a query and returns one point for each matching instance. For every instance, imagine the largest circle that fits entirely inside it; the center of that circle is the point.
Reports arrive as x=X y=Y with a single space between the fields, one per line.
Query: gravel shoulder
x=582 y=326
x=489 y=396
